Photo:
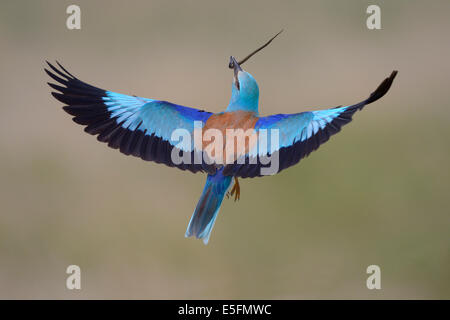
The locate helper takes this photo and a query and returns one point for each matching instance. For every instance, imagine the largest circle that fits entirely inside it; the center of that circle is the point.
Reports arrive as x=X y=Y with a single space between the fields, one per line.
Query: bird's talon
x=236 y=190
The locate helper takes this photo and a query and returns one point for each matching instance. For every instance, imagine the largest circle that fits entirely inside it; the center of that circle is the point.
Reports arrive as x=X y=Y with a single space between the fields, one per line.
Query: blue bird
x=146 y=128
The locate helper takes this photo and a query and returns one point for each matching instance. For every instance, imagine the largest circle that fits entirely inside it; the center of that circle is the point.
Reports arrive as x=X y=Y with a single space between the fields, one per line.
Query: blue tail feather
x=204 y=216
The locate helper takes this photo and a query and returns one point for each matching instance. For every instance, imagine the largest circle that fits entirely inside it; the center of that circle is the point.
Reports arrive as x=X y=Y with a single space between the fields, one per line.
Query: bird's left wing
x=136 y=126
x=298 y=135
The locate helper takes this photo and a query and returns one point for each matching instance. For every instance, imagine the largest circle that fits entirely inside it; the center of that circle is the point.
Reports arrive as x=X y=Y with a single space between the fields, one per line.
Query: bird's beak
x=236 y=67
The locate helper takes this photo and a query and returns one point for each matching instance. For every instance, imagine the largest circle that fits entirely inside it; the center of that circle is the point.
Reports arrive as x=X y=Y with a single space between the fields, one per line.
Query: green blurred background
x=378 y=193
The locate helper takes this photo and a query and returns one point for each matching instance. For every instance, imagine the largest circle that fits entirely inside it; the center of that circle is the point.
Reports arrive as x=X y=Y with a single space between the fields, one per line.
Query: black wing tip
x=383 y=88
x=50 y=64
x=59 y=96
x=58 y=72
x=65 y=70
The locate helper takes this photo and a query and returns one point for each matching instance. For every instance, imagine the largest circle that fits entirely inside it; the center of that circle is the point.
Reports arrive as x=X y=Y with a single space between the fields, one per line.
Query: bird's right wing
x=299 y=134
x=138 y=126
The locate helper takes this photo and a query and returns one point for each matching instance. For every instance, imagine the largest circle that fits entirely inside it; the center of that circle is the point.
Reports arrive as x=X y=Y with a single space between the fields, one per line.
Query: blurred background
x=377 y=193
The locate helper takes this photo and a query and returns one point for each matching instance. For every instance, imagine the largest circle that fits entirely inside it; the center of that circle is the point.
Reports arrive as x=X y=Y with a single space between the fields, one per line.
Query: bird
x=145 y=128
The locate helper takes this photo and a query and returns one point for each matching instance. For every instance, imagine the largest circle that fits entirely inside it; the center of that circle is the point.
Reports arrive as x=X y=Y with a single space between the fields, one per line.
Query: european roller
x=174 y=135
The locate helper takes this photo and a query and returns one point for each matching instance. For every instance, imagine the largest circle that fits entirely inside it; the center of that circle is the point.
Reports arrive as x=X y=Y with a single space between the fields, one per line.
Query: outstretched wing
x=299 y=134
x=136 y=126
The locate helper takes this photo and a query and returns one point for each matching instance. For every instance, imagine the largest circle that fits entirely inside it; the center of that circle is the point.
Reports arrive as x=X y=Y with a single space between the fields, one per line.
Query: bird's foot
x=236 y=190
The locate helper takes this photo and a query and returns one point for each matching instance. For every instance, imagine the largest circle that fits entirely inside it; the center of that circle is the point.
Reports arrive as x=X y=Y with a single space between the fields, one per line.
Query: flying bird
x=145 y=128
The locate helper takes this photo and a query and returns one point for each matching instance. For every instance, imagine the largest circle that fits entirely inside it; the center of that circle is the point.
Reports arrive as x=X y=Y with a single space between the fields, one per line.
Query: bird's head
x=245 y=91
